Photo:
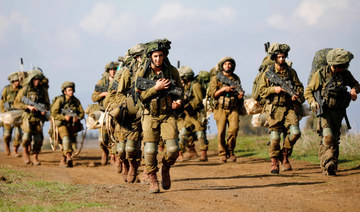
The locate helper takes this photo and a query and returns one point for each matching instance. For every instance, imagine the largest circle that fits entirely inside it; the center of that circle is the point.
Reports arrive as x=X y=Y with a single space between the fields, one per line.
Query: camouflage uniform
x=33 y=121
x=282 y=114
x=332 y=86
x=8 y=96
x=67 y=129
x=227 y=107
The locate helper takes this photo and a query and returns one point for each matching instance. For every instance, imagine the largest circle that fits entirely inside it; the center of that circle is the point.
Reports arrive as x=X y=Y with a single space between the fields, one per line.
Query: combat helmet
x=339 y=56
x=67 y=84
x=186 y=73
x=223 y=60
x=13 y=77
x=35 y=74
x=158 y=45
x=277 y=48
x=111 y=65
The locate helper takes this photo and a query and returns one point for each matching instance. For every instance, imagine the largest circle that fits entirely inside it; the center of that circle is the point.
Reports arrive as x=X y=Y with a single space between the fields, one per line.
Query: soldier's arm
x=176 y=77
x=47 y=100
x=80 y=109
x=18 y=103
x=265 y=89
x=3 y=100
x=213 y=87
x=353 y=83
x=123 y=87
x=198 y=96
x=95 y=97
x=56 y=110
x=314 y=84
x=299 y=87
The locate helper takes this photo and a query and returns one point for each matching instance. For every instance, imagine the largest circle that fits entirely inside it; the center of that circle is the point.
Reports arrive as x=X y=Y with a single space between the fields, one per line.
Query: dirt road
x=242 y=186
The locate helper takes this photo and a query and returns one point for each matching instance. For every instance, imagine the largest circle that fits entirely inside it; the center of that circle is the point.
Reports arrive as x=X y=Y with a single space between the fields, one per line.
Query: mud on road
x=245 y=185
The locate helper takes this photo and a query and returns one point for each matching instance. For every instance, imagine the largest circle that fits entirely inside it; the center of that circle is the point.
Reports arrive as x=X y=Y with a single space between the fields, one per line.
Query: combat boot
x=222 y=158
x=112 y=159
x=36 y=159
x=330 y=168
x=145 y=178
x=232 y=157
x=165 y=177
x=203 y=156
x=181 y=157
x=154 y=184
x=125 y=169
x=26 y=156
x=192 y=154
x=104 y=157
x=69 y=161
x=274 y=166
x=63 y=161
x=118 y=164
x=131 y=176
x=286 y=166
x=15 y=152
x=7 y=148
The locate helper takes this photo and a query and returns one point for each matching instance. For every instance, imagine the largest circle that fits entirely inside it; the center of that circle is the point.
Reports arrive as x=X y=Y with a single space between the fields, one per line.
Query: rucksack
x=318 y=62
x=255 y=94
x=204 y=79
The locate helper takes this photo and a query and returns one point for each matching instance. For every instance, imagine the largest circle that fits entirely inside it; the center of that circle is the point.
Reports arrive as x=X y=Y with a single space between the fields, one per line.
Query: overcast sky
x=74 y=39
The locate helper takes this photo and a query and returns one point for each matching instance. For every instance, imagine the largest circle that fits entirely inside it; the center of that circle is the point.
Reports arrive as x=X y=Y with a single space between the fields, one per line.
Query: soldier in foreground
x=282 y=106
x=33 y=98
x=6 y=104
x=158 y=116
x=228 y=100
x=189 y=120
x=67 y=112
x=327 y=95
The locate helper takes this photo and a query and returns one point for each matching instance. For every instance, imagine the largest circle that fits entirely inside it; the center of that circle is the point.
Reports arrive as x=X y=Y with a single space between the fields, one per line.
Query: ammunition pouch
x=336 y=97
x=227 y=102
x=160 y=105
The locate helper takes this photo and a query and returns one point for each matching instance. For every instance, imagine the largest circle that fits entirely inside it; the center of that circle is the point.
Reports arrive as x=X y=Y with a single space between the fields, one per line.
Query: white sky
x=74 y=39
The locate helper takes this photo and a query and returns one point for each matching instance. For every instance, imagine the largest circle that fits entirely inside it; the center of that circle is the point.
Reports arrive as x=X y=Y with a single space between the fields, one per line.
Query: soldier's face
x=227 y=66
x=36 y=82
x=16 y=83
x=112 y=72
x=338 y=68
x=157 y=58
x=69 y=92
x=280 y=59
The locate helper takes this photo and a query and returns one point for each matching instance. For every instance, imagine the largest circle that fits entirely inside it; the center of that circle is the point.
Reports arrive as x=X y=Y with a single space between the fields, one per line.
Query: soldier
x=158 y=116
x=99 y=97
x=189 y=122
x=33 y=118
x=282 y=110
x=6 y=104
x=227 y=107
x=330 y=82
x=67 y=112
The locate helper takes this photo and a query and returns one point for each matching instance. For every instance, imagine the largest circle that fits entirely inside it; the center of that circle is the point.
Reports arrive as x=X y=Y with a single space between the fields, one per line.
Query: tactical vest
x=282 y=98
x=228 y=100
x=36 y=95
x=10 y=95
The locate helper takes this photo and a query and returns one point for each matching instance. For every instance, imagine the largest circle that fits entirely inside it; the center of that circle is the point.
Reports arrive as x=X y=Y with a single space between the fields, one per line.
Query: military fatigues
x=32 y=122
x=189 y=121
x=333 y=91
x=8 y=96
x=67 y=129
x=158 y=119
x=227 y=108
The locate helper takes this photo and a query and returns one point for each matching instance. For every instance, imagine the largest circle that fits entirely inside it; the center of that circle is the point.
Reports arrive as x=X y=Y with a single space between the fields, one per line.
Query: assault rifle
x=100 y=89
x=69 y=112
x=143 y=84
x=225 y=80
x=114 y=85
x=39 y=106
x=267 y=46
x=320 y=101
x=7 y=106
x=284 y=84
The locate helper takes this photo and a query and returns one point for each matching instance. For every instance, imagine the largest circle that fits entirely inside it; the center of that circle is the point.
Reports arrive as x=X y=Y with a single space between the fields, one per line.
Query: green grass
x=306 y=148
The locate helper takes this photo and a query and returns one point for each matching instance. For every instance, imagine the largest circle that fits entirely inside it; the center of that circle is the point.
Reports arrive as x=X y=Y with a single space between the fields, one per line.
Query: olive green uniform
x=159 y=119
x=32 y=122
x=281 y=112
x=67 y=129
x=336 y=101
x=226 y=111
x=9 y=95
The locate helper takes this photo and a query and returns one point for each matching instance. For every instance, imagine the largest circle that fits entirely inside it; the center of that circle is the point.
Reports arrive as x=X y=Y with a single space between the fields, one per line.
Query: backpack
x=319 y=61
x=255 y=94
x=204 y=79
x=54 y=100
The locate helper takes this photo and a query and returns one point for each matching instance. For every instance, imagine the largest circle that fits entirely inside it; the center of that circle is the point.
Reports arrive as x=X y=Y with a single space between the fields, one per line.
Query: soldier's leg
x=183 y=138
x=104 y=142
x=172 y=153
x=38 y=141
x=232 y=133
x=221 y=118
x=121 y=154
x=26 y=142
x=327 y=152
x=274 y=151
x=204 y=144
x=131 y=154
x=7 y=137
x=17 y=140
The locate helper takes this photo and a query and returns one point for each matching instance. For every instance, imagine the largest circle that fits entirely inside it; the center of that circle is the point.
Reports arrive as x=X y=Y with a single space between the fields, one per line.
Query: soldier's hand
x=75 y=119
x=32 y=108
x=241 y=95
x=176 y=104
x=102 y=94
x=43 y=113
x=67 y=118
x=314 y=106
x=228 y=89
x=353 y=94
x=162 y=84
x=294 y=98
x=278 y=89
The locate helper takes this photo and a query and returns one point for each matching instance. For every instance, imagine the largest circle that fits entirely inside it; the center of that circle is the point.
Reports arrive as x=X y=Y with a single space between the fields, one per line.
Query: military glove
x=314 y=106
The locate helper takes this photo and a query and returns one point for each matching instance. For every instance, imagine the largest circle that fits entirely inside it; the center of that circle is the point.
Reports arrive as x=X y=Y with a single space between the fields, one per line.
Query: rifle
x=7 y=106
x=100 y=89
x=284 y=84
x=143 y=84
x=69 y=112
x=39 y=106
x=320 y=101
x=114 y=85
x=225 y=80
x=267 y=45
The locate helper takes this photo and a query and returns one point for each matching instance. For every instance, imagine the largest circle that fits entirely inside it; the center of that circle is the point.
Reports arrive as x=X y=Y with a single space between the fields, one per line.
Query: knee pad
x=294 y=133
x=66 y=143
x=120 y=149
x=202 y=137
x=172 y=148
x=7 y=135
x=150 y=148
x=328 y=137
x=275 y=139
x=130 y=148
x=17 y=134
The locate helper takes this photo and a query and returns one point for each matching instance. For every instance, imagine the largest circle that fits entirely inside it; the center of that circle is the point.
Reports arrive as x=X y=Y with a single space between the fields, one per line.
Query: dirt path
x=242 y=186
